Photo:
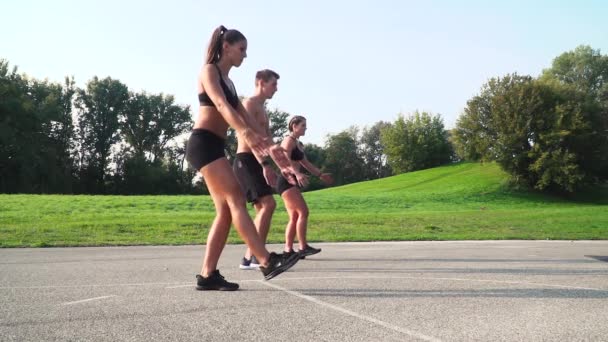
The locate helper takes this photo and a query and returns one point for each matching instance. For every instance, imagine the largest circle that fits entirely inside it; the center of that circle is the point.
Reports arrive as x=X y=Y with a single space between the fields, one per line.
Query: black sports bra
x=232 y=98
x=297 y=154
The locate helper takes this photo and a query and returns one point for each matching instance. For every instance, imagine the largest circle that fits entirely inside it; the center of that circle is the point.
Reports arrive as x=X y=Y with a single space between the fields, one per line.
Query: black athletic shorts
x=251 y=176
x=204 y=147
x=283 y=185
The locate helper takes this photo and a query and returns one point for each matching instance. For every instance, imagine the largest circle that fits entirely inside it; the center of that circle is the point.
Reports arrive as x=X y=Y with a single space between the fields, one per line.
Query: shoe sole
x=250 y=267
x=281 y=269
x=203 y=288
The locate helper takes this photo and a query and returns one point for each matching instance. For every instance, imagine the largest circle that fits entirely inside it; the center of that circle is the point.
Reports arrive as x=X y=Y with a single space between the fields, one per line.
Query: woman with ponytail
x=219 y=109
x=292 y=196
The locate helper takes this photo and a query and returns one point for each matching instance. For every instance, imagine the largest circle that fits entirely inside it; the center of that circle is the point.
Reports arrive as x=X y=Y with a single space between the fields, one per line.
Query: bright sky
x=341 y=63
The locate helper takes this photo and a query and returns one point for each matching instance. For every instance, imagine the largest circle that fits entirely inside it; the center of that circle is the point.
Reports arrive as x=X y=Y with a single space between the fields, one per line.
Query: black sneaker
x=288 y=254
x=292 y=252
x=278 y=263
x=249 y=264
x=215 y=281
x=308 y=251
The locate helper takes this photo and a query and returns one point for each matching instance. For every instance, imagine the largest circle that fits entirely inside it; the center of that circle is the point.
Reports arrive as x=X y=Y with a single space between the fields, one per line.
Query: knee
x=236 y=202
x=269 y=204
x=224 y=217
x=303 y=212
x=293 y=216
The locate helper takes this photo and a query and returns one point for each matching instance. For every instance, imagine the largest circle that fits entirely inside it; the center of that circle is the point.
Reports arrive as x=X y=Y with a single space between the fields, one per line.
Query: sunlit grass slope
x=461 y=201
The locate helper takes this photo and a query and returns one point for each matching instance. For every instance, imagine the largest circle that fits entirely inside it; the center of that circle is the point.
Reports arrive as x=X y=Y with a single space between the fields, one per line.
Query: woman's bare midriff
x=210 y=119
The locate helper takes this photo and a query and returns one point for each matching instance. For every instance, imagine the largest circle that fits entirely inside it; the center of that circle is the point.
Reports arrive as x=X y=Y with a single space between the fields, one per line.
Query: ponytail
x=220 y=35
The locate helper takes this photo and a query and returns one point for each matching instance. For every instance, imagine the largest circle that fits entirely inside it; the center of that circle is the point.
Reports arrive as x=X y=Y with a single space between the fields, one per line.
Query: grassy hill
x=461 y=201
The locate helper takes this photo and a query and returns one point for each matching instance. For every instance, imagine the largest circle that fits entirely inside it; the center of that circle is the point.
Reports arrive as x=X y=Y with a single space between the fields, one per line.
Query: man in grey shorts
x=256 y=177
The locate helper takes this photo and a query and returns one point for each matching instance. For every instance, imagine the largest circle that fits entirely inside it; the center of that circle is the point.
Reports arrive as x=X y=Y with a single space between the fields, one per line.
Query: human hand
x=269 y=175
x=326 y=178
x=259 y=144
x=302 y=179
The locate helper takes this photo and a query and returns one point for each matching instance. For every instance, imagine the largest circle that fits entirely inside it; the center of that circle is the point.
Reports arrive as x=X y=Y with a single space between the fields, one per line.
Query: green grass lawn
x=456 y=202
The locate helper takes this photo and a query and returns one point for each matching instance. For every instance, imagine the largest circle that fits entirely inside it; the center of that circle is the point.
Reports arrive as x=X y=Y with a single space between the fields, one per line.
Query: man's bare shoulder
x=251 y=105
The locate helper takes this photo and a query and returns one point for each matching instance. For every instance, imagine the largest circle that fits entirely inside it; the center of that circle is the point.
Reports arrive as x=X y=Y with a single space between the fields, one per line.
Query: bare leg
x=290 y=230
x=227 y=194
x=298 y=217
x=216 y=240
x=264 y=208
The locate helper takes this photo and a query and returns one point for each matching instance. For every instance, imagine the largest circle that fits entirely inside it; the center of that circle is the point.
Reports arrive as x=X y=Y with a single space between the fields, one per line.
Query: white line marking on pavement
x=454 y=279
x=354 y=314
x=180 y=285
x=87 y=300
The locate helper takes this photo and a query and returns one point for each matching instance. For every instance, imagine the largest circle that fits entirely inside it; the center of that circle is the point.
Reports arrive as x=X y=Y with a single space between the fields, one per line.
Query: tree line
x=103 y=139
x=548 y=132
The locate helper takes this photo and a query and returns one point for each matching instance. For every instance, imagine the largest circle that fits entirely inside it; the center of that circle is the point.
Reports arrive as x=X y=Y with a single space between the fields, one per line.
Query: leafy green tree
x=35 y=133
x=342 y=157
x=542 y=132
x=372 y=151
x=148 y=164
x=18 y=124
x=584 y=68
x=316 y=155
x=583 y=74
x=150 y=122
x=99 y=107
x=278 y=123
x=53 y=107
x=416 y=142
x=473 y=137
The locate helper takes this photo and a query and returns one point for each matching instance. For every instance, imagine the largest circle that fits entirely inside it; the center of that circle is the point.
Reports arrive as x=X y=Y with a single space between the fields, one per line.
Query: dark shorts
x=204 y=147
x=283 y=185
x=251 y=177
